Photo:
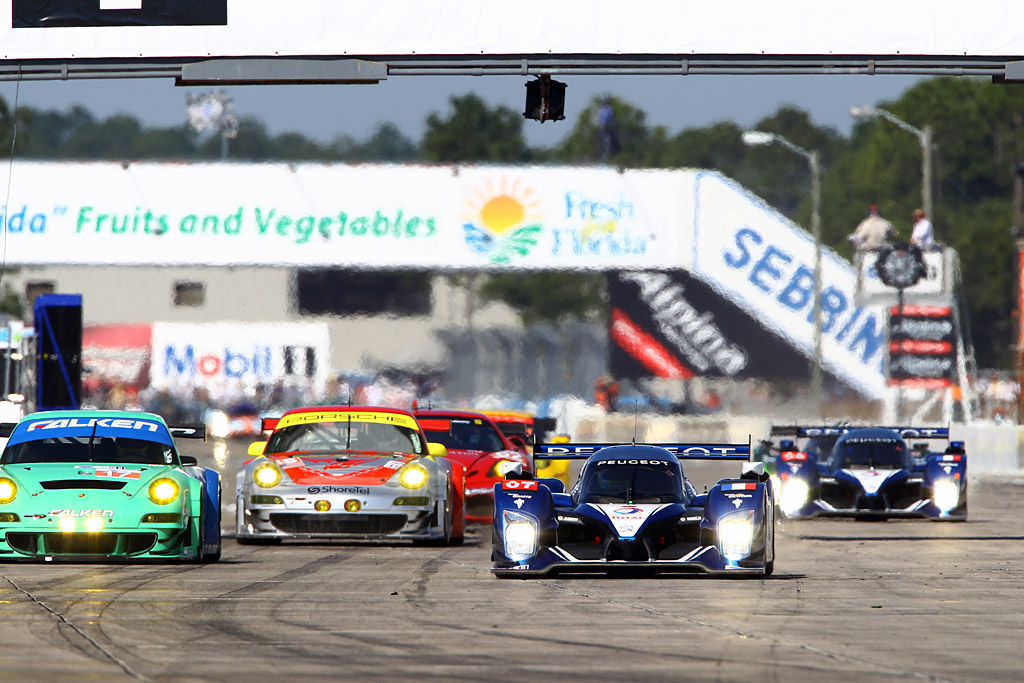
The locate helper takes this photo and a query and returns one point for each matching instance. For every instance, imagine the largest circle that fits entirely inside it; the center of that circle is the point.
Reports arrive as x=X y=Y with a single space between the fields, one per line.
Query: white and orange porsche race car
x=351 y=472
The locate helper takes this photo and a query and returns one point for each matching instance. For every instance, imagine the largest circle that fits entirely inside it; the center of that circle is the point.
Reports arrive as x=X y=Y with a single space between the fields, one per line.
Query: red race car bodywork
x=473 y=440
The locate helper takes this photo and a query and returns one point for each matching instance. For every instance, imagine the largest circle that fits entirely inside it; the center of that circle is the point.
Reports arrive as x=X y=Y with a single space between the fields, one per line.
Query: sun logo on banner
x=501 y=221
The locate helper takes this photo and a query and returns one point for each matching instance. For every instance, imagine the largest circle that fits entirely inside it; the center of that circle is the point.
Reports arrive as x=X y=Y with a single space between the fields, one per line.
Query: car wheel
x=214 y=554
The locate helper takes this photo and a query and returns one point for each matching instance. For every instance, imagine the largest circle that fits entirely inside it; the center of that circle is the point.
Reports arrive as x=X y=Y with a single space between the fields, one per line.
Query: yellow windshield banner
x=397 y=419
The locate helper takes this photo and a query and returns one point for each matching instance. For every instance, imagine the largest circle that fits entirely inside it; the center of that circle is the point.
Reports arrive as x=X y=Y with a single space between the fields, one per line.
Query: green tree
x=473 y=131
x=549 y=295
x=636 y=140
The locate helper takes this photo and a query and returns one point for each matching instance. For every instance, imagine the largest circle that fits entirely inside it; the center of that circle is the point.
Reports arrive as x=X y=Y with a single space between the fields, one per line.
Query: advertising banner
x=116 y=354
x=230 y=357
x=922 y=346
x=669 y=324
x=335 y=215
x=144 y=29
x=765 y=265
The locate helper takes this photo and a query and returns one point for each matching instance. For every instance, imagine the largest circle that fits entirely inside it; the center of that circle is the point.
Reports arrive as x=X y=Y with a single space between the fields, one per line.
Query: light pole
x=924 y=137
x=755 y=138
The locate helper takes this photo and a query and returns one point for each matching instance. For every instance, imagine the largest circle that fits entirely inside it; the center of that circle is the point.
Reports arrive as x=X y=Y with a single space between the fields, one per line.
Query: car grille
x=80 y=544
x=64 y=484
x=338 y=524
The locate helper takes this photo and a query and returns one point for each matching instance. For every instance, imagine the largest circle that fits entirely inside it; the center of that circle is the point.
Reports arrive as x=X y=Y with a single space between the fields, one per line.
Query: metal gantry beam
x=374 y=68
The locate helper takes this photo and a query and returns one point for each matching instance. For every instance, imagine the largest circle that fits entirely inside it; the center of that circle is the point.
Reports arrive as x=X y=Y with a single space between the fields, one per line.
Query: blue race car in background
x=633 y=508
x=871 y=473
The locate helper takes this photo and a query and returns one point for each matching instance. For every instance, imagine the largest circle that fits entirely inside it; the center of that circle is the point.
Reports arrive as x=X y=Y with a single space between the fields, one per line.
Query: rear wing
x=802 y=432
x=269 y=424
x=188 y=431
x=6 y=429
x=690 y=451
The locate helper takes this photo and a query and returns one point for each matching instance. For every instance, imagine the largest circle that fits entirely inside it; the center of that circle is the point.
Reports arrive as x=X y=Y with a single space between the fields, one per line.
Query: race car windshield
x=870 y=453
x=338 y=437
x=820 y=445
x=109 y=450
x=466 y=435
x=649 y=483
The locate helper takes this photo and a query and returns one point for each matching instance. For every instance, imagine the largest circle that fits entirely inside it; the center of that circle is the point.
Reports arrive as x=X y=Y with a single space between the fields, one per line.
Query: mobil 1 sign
x=230 y=356
x=765 y=264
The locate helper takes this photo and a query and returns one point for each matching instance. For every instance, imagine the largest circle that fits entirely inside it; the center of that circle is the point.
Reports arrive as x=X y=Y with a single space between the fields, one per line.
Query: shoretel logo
x=76 y=13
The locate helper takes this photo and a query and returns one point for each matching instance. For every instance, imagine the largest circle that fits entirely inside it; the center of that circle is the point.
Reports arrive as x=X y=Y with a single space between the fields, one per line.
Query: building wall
x=145 y=294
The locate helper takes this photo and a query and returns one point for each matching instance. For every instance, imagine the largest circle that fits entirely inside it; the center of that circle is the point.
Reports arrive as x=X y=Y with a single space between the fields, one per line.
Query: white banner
x=765 y=264
x=317 y=215
x=142 y=29
x=226 y=358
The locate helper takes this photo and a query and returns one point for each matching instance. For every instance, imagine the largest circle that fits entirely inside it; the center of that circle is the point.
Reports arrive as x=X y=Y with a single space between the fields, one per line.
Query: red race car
x=473 y=440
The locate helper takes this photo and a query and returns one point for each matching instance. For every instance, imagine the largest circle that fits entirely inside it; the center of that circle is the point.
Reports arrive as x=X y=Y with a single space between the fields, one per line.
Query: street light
x=755 y=138
x=924 y=137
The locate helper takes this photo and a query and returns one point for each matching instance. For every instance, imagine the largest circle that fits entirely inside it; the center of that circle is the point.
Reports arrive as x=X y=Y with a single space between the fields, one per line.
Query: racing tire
x=769 y=567
x=214 y=556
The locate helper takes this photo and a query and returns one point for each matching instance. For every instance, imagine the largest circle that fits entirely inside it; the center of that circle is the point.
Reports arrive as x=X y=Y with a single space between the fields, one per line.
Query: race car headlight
x=93 y=524
x=413 y=476
x=219 y=424
x=520 y=534
x=267 y=475
x=503 y=467
x=163 y=491
x=8 y=490
x=794 y=495
x=946 y=495
x=735 y=537
x=66 y=524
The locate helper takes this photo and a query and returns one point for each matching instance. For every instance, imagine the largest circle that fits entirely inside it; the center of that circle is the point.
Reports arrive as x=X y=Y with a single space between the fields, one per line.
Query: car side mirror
x=257 y=448
x=438 y=450
x=518 y=442
x=188 y=460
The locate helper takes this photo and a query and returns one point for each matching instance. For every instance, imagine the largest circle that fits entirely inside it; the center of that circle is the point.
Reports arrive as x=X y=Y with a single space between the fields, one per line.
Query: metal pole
x=926 y=172
x=817 y=381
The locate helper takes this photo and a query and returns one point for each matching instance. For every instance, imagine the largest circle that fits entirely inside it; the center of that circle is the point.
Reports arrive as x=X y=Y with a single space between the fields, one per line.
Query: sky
x=324 y=112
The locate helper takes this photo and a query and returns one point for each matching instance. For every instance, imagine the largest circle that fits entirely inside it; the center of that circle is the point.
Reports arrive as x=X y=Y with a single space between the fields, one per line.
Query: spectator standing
x=607 y=130
x=923 y=236
x=872 y=232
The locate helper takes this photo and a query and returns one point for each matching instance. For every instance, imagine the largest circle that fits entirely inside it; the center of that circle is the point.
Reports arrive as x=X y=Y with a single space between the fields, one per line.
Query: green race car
x=105 y=485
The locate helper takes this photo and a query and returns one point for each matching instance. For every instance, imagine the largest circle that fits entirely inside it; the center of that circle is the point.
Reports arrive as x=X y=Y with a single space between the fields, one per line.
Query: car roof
x=633 y=452
x=452 y=413
x=89 y=414
x=346 y=409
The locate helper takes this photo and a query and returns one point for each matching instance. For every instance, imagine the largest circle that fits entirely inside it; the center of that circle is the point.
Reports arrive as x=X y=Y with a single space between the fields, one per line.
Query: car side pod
x=739 y=519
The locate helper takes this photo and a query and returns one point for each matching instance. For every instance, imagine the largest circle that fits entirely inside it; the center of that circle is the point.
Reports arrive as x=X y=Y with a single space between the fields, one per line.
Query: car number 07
x=519 y=485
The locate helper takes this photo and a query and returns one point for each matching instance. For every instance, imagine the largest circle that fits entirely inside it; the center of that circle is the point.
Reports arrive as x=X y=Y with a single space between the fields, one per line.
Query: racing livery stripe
x=344 y=416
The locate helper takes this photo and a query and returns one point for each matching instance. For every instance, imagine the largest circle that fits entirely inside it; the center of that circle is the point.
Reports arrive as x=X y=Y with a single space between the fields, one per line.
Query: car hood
x=469 y=458
x=364 y=468
x=69 y=477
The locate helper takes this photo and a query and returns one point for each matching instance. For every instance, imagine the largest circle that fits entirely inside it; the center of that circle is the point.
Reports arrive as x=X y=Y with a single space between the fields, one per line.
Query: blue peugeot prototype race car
x=633 y=508
x=871 y=473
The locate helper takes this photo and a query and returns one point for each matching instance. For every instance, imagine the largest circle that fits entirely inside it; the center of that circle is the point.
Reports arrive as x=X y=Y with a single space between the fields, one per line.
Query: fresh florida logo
x=501 y=221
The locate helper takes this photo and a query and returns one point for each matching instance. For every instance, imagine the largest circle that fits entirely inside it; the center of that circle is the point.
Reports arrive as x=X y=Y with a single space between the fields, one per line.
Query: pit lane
x=849 y=601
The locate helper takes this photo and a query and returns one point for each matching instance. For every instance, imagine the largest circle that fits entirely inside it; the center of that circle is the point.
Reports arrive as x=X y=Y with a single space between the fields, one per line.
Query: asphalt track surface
x=897 y=600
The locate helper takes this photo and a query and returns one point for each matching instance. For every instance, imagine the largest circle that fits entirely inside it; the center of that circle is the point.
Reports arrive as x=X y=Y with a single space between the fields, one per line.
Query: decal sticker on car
x=362 y=490
x=519 y=485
